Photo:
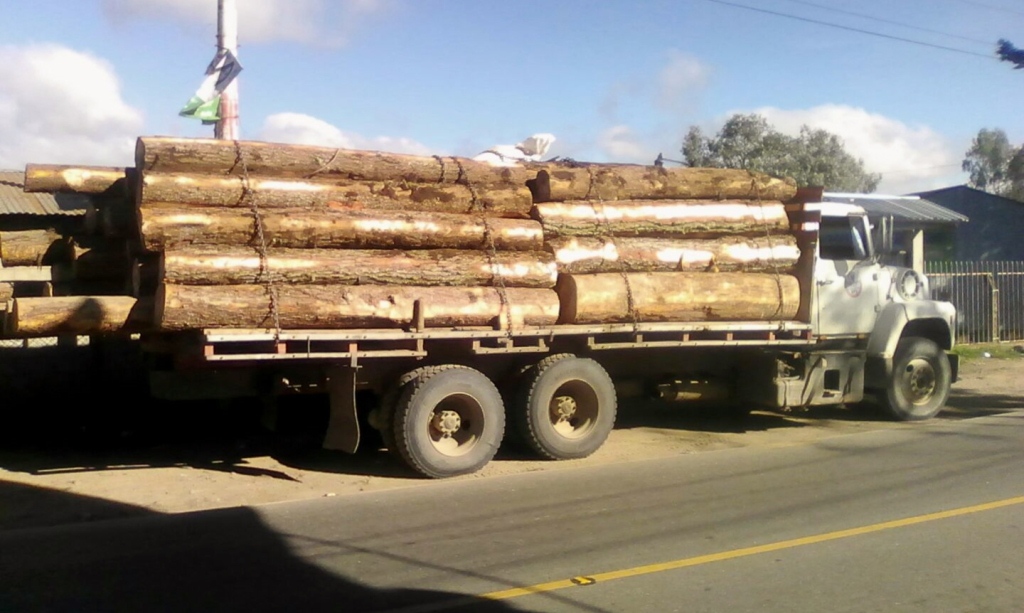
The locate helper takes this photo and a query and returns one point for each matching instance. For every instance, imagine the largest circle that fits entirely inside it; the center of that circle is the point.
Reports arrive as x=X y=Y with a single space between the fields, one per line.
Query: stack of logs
x=50 y=271
x=259 y=235
x=637 y=243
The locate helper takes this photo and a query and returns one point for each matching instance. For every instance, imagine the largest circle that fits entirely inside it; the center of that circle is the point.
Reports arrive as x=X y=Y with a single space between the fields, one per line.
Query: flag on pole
x=205 y=104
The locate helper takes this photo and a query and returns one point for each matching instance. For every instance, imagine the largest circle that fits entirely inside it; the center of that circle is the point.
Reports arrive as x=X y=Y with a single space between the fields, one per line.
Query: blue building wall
x=995 y=231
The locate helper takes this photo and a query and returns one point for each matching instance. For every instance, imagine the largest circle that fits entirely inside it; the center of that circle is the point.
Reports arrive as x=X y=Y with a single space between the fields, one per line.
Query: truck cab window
x=841 y=239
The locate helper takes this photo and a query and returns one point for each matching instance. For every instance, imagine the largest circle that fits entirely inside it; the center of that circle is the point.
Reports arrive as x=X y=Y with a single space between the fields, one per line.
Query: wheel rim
x=573 y=409
x=919 y=381
x=456 y=424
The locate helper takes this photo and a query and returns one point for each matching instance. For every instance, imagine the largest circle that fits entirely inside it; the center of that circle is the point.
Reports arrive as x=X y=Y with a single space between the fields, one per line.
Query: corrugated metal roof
x=908 y=208
x=15 y=201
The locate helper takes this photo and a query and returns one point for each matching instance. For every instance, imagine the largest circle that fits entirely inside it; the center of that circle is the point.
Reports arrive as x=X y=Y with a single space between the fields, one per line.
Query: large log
x=78 y=315
x=6 y=292
x=184 y=307
x=197 y=155
x=677 y=296
x=162 y=226
x=74 y=179
x=429 y=267
x=235 y=191
x=590 y=255
x=556 y=183
x=35 y=248
x=662 y=219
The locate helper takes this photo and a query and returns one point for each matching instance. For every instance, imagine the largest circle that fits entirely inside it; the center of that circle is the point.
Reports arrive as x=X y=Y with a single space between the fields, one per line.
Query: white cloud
x=62 y=106
x=315 y=22
x=682 y=79
x=300 y=129
x=621 y=143
x=910 y=158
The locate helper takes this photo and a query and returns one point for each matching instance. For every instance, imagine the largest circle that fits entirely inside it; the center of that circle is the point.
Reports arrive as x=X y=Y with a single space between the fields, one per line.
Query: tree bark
x=661 y=219
x=557 y=183
x=184 y=307
x=676 y=296
x=230 y=191
x=6 y=292
x=74 y=179
x=430 y=267
x=592 y=255
x=196 y=155
x=162 y=227
x=78 y=315
x=35 y=248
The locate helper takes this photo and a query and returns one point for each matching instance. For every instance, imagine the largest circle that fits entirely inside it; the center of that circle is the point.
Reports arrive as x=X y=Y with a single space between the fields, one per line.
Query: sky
x=905 y=83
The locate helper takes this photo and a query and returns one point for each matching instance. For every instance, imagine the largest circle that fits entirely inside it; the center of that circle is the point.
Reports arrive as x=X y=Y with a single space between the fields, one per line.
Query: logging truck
x=442 y=399
x=438 y=300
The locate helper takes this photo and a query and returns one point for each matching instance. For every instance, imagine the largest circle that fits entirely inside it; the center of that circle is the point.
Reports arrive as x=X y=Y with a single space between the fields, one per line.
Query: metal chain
x=265 y=274
x=492 y=250
x=602 y=227
x=771 y=249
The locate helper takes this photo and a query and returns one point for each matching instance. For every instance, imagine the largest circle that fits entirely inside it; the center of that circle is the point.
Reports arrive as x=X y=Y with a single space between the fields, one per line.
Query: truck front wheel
x=567 y=407
x=921 y=377
x=448 y=421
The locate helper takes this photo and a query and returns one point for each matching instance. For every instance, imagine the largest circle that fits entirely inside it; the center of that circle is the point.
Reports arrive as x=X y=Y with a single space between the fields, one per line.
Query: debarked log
x=662 y=219
x=428 y=267
x=237 y=191
x=35 y=248
x=557 y=183
x=74 y=179
x=677 y=296
x=252 y=158
x=581 y=255
x=59 y=315
x=183 y=307
x=162 y=226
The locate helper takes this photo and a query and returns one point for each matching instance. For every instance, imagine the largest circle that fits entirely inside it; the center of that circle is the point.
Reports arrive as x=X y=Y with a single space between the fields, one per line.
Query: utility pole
x=227 y=38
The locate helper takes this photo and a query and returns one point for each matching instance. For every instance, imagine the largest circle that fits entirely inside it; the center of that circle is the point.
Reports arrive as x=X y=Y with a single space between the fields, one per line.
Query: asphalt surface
x=923 y=519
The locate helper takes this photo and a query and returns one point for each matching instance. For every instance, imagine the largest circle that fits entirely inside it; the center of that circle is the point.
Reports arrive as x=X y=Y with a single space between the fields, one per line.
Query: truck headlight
x=911 y=285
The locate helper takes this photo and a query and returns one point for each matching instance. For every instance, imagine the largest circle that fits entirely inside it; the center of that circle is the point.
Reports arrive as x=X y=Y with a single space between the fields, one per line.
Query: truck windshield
x=841 y=239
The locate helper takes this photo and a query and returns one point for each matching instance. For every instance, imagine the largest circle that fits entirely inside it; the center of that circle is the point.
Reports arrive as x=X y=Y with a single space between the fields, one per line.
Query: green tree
x=814 y=158
x=995 y=165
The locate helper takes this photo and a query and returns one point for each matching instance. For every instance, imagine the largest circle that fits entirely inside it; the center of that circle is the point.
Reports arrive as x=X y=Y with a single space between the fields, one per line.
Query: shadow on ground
x=226 y=560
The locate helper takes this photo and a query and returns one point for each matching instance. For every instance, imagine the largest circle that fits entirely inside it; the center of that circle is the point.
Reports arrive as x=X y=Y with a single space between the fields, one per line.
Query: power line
x=852 y=29
x=890 y=21
x=992 y=7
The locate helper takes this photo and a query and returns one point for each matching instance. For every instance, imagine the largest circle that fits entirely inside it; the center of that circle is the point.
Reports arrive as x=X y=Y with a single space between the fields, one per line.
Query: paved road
x=926 y=519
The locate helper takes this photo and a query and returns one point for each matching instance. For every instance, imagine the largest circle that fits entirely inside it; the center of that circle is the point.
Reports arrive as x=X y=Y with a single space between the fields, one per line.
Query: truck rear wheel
x=921 y=377
x=567 y=407
x=448 y=421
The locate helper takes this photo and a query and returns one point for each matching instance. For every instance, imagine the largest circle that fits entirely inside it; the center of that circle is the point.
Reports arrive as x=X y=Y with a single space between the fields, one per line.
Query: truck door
x=846 y=277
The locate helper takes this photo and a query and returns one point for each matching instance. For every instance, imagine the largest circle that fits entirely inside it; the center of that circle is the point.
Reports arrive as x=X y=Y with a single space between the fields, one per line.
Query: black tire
x=448 y=421
x=385 y=415
x=566 y=409
x=921 y=377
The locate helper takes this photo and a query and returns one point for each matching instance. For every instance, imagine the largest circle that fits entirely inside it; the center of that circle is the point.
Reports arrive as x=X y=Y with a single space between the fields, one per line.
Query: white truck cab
x=860 y=301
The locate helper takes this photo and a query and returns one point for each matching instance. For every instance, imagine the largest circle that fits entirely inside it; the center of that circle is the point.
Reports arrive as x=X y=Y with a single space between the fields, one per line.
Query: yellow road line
x=649 y=569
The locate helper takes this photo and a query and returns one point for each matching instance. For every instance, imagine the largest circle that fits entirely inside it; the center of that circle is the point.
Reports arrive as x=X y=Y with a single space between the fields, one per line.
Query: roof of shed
x=14 y=200
x=908 y=208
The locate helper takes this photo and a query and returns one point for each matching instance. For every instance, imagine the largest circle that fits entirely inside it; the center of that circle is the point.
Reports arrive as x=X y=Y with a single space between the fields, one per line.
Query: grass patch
x=996 y=351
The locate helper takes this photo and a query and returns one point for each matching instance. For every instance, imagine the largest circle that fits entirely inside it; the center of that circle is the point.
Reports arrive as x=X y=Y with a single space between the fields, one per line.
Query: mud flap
x=343 y=428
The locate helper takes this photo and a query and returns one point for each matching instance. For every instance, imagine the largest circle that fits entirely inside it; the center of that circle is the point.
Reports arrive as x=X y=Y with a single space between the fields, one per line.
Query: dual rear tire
x=449 y=420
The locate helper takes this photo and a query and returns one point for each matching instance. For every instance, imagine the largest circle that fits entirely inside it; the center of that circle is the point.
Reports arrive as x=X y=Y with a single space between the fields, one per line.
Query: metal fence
x=989 y=298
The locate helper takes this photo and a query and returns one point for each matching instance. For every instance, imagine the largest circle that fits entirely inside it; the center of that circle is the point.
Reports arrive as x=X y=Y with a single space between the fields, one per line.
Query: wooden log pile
x=644 y=244
x=74 y=268
x=205 y=234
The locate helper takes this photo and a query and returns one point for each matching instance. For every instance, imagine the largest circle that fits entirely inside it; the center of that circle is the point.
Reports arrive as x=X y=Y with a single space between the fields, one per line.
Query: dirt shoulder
x=189 y=470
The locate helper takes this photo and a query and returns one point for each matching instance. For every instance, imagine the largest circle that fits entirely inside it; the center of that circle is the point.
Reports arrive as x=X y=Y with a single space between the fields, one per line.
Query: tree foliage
x=814 y=158
x=995 y=165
